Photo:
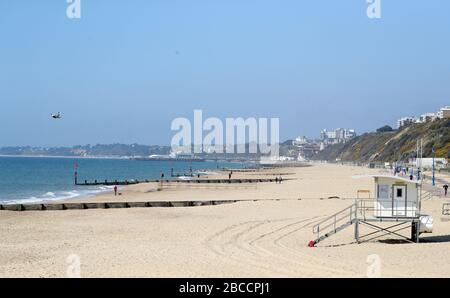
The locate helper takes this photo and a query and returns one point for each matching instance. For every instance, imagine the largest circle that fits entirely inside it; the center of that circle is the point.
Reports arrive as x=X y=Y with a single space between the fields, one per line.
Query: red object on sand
x=311 y=243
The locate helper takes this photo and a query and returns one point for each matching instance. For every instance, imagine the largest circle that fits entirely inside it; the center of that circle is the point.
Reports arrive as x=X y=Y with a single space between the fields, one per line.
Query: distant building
x=300 y=141
x=350 y=133
x=405 y=121
x=428 y=117
x=339 y=135
x=425 y=118
x=444 y=112
x=427 y=162
x=306 y=147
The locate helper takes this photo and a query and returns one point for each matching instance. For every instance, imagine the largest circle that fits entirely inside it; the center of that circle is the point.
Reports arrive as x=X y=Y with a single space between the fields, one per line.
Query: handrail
x=364 y=207
x=357 y=211
x=317 y=228
x=429 y=194
x=446 y=209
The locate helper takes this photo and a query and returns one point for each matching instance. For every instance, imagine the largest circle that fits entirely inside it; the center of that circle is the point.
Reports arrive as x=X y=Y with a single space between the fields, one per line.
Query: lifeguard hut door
x=399 y=201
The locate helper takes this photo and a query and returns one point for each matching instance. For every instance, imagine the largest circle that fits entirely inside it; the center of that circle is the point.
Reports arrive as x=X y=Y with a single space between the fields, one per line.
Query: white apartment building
x=424 y=118
x=444 y=112
x=405 y=121
x=428 y=117
x=339 y=135
x=427 y=162
x=300 y=141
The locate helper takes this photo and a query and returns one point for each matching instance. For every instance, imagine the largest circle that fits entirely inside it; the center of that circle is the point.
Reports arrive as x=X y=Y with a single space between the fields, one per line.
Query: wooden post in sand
x=76 y=173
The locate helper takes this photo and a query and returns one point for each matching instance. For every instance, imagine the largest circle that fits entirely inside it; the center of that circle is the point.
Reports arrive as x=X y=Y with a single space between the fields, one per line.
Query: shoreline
x=71 y=195
x=63 y=190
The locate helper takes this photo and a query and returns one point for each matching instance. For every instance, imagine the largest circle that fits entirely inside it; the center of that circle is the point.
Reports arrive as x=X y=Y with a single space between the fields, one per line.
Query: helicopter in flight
x=56 y=115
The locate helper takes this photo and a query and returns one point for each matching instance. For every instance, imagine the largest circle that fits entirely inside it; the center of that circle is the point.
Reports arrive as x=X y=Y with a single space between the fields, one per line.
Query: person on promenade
x=445 y=189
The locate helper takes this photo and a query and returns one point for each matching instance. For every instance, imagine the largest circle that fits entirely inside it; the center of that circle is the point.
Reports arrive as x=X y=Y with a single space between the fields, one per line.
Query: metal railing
x=428 y=195
x=345 y=216
x=446 y=209
x=369 y=208
x=364 y=209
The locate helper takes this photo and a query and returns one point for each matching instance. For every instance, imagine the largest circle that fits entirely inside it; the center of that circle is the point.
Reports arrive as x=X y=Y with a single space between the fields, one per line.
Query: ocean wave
x=58 y=196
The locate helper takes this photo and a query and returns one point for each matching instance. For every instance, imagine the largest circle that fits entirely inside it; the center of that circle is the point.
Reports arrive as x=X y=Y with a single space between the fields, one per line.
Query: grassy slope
x=391 y=146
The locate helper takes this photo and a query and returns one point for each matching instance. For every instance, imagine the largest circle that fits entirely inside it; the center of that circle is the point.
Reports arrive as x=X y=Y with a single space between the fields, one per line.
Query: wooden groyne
x=131 y=182
x=112 y=183
x=110 y=205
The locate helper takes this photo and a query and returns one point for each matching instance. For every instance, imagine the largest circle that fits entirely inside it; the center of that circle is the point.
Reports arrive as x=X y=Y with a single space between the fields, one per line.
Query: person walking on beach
x=280 y=179
x=445 y=190
x=115 y=190
x=276 y=180
x=229 y=175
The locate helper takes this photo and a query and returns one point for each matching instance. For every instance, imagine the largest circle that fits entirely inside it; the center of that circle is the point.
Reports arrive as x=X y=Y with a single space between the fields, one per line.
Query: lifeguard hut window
x=383 y=191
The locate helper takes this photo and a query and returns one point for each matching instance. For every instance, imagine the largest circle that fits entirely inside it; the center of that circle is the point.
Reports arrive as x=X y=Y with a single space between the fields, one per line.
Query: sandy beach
x=266 y=236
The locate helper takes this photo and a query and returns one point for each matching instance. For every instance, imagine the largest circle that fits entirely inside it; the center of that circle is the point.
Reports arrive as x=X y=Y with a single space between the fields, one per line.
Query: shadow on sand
x=394 y=241
x=429 y=239
x=435 y=239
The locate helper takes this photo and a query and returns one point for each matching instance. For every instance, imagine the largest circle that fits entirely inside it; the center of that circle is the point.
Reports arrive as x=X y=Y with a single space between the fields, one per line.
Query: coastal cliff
x=388 y=146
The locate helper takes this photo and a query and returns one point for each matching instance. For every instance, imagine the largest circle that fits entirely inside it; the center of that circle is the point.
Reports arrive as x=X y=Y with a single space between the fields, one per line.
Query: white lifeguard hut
x=396 y=197
x=397 y=203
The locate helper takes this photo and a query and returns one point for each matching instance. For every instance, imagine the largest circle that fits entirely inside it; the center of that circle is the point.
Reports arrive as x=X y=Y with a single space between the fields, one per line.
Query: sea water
x=40 y=179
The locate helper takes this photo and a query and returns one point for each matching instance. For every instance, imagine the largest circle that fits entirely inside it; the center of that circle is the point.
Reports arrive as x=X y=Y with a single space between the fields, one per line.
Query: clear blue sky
x=127 y=68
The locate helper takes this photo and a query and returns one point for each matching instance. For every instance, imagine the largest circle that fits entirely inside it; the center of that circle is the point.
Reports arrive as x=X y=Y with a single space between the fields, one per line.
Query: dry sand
x=263 y=238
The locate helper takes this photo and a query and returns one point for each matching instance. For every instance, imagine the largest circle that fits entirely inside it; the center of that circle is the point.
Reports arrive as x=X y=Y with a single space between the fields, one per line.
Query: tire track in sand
x=227 y=243
x=273 y=241
x=239 y=243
